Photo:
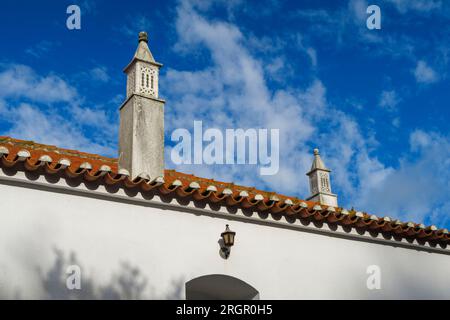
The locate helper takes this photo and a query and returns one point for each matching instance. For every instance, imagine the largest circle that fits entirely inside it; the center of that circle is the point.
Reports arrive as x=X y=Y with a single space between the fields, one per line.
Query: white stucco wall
x=169 y=248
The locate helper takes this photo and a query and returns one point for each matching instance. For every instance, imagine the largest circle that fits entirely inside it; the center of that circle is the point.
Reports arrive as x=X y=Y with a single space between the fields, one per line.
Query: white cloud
x=99 y=74
x=40 y=49
x=233 y=93
x=389 y=99
x=396 y=122
x=358 y=9
x=88 y=6
x=312 y=53
x=19 y=81
x=419 y=186
x=94 y=117
x=94 y=77
x=52 y=113
x=425 y=6
x=424 y=73
x=30 y=123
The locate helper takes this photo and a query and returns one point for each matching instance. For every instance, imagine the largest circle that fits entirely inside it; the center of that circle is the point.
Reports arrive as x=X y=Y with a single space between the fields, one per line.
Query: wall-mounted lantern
x=228 y=241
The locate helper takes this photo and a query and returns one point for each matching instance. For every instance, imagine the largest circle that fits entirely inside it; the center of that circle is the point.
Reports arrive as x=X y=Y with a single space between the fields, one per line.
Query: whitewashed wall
x=168 y=248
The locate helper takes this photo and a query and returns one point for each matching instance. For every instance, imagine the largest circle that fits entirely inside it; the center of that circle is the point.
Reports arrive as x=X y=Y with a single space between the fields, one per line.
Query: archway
x=219 y=287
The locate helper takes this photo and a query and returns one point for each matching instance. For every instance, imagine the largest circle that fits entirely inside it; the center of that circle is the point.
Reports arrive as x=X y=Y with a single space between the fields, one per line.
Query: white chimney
x=141 y=133
x=319 y=182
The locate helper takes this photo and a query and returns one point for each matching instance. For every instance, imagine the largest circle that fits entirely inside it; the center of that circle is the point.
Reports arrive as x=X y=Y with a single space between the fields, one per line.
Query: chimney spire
x=319 y=182
x=141 y=133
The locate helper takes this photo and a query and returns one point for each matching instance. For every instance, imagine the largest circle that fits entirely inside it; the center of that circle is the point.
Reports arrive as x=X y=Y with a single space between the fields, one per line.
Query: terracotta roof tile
x=47 y=159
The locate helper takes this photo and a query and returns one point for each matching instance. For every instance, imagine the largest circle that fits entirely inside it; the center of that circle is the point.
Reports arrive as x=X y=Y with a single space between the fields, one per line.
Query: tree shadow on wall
x=127 y=283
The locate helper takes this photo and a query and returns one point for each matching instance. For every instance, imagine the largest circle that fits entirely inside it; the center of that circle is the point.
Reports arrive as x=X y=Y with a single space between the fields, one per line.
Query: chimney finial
x=143 y=36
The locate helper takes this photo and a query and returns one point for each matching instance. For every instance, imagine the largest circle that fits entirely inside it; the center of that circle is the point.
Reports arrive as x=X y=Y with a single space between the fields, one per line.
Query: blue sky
x=376 y=102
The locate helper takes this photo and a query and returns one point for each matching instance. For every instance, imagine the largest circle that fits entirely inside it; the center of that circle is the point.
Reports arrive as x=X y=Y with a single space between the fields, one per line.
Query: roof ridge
x=52 y=148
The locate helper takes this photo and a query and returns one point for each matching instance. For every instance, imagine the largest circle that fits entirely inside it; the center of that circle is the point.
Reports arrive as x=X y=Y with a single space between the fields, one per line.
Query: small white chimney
x=141 y=133
x=319 y=183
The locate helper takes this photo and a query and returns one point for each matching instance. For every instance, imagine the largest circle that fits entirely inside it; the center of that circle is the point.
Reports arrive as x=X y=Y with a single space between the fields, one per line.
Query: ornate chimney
x=141 y=133
x=319 y=182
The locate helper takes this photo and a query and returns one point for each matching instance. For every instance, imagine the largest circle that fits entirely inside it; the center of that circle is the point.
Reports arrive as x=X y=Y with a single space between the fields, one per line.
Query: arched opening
x=219 y=287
